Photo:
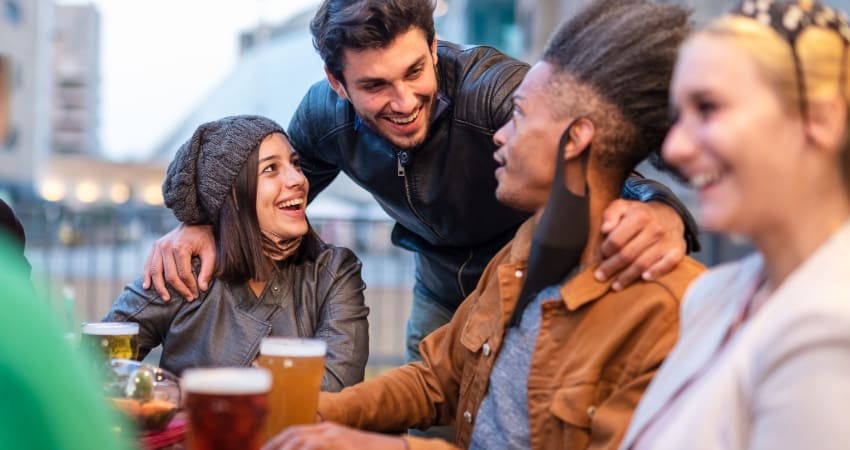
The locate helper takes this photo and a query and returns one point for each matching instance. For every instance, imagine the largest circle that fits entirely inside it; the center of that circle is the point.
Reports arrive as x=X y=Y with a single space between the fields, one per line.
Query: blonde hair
x=821 y=56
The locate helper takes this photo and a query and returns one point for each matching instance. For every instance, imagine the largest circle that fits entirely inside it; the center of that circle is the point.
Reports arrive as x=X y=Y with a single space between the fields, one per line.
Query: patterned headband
x=789 y=19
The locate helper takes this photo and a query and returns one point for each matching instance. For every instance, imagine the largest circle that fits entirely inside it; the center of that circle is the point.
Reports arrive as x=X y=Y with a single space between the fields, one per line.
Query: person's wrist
x=689 y=230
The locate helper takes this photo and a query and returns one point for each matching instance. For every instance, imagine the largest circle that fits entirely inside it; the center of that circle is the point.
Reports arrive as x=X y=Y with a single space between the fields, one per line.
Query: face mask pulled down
x=560 y=236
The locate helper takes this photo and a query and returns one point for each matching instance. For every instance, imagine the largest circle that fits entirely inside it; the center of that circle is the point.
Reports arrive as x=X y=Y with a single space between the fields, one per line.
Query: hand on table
x=331 y=436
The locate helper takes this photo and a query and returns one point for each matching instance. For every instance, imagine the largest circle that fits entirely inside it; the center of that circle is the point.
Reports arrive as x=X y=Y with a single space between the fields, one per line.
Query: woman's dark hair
x=366 y=24
x=238 y=238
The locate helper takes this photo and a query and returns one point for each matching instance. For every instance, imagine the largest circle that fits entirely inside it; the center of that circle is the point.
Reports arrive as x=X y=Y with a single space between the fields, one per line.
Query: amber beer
x=226 y=407
x=112 y=339
x=297 y=366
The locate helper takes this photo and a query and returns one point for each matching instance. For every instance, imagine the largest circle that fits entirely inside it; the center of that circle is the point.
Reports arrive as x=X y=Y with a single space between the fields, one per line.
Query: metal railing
x=95 y=253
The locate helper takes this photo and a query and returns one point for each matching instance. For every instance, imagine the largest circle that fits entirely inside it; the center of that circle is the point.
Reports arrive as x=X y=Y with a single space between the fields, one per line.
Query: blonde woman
x=763 y=358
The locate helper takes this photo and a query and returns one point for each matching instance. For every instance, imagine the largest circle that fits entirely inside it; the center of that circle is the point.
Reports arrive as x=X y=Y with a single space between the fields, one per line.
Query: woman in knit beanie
x=274 y=276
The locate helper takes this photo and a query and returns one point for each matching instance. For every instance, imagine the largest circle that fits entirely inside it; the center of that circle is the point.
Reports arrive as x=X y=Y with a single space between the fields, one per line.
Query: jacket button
x=591 y=411
x=518 y=274
x=486 y=349
x=274 y=288
x=467 y=416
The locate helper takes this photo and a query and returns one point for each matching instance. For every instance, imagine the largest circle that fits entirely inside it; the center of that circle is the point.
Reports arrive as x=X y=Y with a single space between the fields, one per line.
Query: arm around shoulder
x=646 y=190
x=149 y=310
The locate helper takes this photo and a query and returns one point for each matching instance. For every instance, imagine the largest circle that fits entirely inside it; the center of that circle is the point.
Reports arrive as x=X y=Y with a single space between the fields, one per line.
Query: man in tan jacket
x=541 y=355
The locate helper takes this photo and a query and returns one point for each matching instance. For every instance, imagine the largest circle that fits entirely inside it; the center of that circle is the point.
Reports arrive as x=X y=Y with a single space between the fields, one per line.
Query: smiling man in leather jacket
x=411 y=120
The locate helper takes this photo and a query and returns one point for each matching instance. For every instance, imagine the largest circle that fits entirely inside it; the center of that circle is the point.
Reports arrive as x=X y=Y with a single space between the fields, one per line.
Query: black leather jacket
x=441 y=194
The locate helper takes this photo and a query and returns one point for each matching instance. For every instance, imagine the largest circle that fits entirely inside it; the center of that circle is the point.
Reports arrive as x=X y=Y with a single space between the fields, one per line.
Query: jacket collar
x=579 y=290
x=583 y=288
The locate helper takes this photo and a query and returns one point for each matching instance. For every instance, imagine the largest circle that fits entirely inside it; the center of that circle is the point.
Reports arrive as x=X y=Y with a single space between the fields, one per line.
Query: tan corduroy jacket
x=596 y=352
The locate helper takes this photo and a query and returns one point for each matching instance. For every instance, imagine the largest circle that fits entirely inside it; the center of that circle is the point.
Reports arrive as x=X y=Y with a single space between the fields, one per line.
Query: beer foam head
x=294 y=347
x=227 y=380
x=110 y=328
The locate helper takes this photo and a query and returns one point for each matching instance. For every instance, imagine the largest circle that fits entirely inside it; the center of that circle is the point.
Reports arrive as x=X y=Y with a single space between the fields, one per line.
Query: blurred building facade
x=522 y=27
x=75 y=113
x=537 y=18
x=49 y=90
x=25 y=29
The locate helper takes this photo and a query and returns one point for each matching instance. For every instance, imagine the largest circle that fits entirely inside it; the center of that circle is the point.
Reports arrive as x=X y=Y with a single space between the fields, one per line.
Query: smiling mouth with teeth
x=294 y=204
x=705 y=179
x=405 y=120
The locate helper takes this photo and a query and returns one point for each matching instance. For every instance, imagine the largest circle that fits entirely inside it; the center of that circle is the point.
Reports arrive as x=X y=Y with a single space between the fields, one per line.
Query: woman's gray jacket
x=224 y=326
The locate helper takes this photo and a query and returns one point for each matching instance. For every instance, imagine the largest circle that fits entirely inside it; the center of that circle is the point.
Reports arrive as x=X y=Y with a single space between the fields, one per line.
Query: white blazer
x=781 y=382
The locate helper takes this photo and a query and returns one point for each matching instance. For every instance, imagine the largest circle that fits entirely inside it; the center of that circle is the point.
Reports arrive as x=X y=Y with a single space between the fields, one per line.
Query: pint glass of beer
x=297 y=366
x=226 y=407
x=107 y=340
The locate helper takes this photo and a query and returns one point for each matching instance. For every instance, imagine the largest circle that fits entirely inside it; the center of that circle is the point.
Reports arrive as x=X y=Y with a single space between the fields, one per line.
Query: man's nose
x=404 y=99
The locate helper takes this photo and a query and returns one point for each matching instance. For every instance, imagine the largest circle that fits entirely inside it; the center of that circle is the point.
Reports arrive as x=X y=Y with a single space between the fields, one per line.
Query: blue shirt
x=503 y=416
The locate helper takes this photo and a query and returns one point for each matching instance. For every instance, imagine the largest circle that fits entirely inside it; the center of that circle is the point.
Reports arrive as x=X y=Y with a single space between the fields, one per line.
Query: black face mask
x=560 y=236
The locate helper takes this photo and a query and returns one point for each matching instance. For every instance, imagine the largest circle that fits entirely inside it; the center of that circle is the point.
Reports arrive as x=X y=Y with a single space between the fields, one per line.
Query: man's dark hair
x=620 y=54
x=238 y=238
x=341 y=25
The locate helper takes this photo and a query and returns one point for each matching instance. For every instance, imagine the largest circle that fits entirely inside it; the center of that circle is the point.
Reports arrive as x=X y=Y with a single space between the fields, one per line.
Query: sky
x=160 y=57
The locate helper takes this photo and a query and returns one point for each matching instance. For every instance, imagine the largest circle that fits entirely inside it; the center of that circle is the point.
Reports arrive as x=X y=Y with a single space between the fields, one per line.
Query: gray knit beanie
x=205 y=167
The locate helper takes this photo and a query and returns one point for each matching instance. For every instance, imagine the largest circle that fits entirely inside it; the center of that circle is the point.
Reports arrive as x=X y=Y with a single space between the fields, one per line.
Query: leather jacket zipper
x=402 y=158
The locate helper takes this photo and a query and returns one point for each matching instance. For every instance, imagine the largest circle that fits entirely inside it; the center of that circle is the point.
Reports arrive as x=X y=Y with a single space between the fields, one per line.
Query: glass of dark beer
x=226 y=407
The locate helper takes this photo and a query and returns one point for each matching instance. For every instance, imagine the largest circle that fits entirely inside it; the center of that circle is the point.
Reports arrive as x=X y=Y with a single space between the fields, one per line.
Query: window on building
x=12 y=11
x=493 y=22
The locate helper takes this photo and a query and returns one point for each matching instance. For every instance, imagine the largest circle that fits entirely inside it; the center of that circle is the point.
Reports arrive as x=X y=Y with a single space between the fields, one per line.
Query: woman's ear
x=581 y=135
x=826 y=123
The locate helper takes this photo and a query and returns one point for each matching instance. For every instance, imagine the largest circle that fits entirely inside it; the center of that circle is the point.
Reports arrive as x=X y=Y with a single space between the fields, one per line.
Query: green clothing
x=48 y=400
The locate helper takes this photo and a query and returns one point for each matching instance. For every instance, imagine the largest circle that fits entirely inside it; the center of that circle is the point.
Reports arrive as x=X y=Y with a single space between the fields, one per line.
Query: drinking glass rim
x=226 y=381
x=110 y=328
x=293 y=347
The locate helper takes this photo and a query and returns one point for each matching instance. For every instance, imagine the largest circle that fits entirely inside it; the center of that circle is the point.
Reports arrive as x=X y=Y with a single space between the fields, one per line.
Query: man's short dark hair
x=238 y=239
x=620 y=54
x=341 y=25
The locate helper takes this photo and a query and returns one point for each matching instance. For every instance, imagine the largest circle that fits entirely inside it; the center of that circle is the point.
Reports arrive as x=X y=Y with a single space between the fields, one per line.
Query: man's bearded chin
x=428 y=104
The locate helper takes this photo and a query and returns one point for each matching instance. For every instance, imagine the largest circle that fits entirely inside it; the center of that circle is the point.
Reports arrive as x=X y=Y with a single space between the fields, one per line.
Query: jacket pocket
x=575 y=405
